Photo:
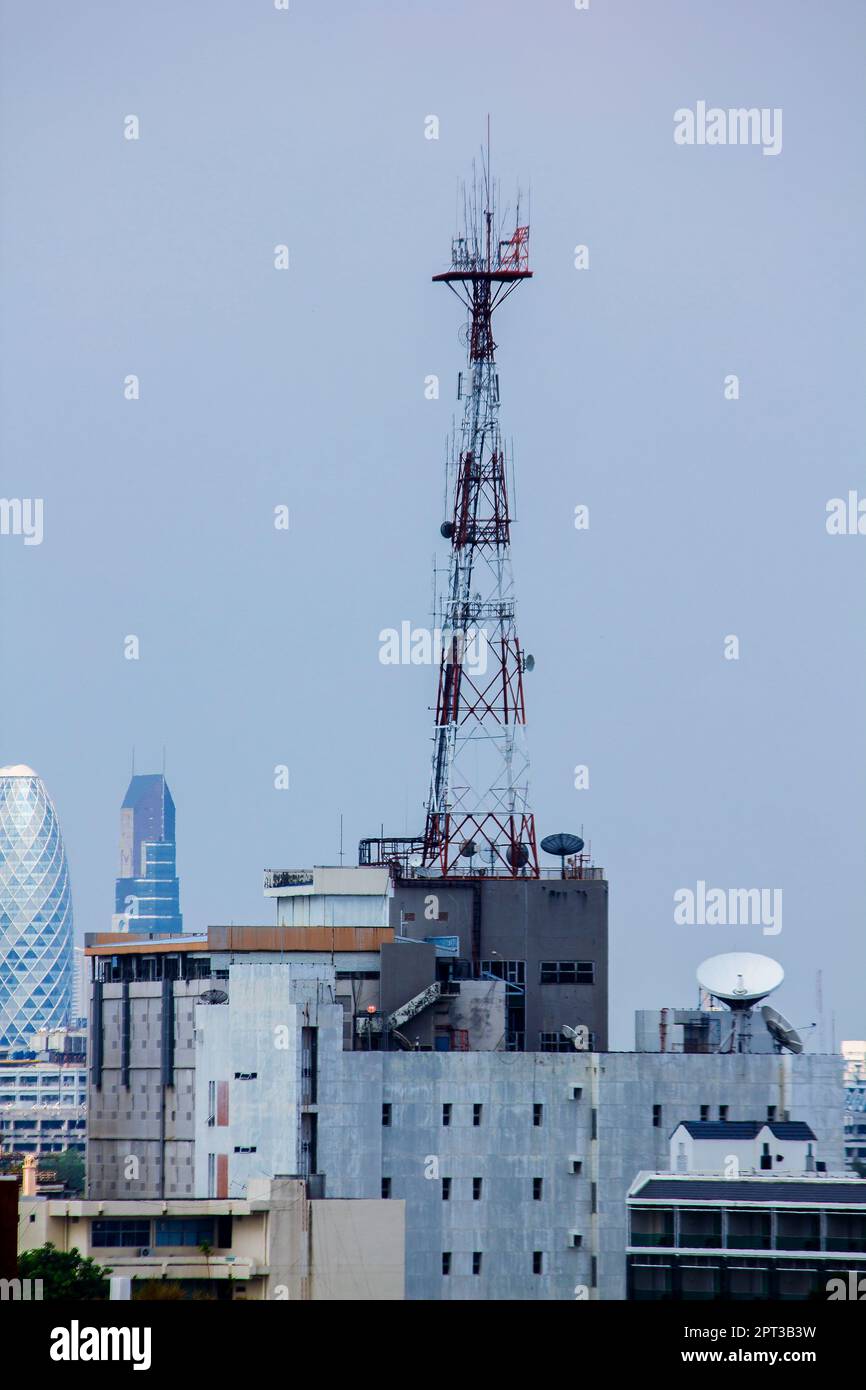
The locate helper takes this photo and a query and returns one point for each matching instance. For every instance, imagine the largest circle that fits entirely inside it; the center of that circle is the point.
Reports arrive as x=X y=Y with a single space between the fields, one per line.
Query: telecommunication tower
x=478 y=815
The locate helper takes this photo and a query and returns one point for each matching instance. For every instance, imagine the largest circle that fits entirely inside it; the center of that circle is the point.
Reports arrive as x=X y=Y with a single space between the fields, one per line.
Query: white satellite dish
x=784 y=1034
x=740 y=978
x=579 y=1035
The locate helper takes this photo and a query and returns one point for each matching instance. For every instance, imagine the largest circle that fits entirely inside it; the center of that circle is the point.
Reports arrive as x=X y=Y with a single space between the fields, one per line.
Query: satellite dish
x=529 y=663
x=518 y=856
x=577 y=1035
x=784 y=1034
x=468 y=848
x=562 y=844
x=214 y=996
x=740 y=978
x=447 y=529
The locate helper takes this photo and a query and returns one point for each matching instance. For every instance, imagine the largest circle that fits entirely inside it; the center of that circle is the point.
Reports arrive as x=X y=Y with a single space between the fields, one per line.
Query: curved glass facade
x=35 y=911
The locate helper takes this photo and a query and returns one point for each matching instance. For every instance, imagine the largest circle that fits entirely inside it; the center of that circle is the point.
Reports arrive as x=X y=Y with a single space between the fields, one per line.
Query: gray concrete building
x=514 y=1167
x=545 y=938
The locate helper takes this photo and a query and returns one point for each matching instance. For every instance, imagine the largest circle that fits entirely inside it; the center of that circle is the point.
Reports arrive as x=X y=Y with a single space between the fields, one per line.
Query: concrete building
x=854 y=1054
x=276 y=1243
x=238 y=1064
x=544 y=938
x=697 y=1236
x=42 y=1106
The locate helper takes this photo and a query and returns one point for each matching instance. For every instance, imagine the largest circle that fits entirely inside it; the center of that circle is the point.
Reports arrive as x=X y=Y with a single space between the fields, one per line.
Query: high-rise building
x=148 y=892
x=35 y=911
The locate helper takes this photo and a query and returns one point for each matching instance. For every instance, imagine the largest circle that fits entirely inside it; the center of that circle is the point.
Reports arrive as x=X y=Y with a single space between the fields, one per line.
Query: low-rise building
x=698 y=1236
x=277 y=1242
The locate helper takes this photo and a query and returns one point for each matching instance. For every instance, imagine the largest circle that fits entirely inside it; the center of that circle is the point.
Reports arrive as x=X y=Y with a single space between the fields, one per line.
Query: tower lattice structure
x=478 y=814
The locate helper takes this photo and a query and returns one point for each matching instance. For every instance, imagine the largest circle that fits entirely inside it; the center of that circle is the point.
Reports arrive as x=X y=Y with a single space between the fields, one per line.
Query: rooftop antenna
x=739 y=979
x=341 y=839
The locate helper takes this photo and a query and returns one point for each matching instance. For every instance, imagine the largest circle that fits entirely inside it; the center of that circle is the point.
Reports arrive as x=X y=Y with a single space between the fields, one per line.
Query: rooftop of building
x=18 y=770
x=834 y=1189
x=240 y=938
x=745 y=1129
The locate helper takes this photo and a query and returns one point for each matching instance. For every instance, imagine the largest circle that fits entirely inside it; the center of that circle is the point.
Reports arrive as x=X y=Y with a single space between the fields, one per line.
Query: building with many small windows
x=42 y=1107
x=243 y=1053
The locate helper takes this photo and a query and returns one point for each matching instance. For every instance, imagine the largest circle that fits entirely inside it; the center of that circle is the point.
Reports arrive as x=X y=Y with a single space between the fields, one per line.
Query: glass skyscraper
x=148 y=893
x=35 y=911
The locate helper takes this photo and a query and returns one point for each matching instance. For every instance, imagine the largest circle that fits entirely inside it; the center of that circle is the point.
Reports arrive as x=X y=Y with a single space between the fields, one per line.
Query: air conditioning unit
x=144 y=1252
x=575 y=1164
x=575 y=1240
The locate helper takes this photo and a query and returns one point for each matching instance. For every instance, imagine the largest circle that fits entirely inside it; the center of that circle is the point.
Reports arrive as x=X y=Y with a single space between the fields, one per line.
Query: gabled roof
x=745 y=1129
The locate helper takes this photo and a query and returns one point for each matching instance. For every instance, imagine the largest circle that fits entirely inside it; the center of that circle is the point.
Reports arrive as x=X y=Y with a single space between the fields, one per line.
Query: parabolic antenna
x=740 y=978
x=784 y=1033
x=562 y=844
x=214 y=996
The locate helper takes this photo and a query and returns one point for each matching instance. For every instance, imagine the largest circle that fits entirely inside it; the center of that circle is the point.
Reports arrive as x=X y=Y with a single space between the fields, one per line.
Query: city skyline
x=258 y=648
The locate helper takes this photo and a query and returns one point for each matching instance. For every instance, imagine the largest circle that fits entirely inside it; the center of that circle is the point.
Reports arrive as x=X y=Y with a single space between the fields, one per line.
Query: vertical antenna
x=341 y=839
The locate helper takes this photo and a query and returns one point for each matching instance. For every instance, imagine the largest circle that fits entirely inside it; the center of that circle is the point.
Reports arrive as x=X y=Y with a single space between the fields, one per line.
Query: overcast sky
x=305 y=387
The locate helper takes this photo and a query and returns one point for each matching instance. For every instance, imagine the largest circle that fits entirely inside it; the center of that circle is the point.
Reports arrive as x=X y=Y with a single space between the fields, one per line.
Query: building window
x=657 y=1117
x=245 y=1148
x=557 y=1042
x=537 y=1262
x=476 y=1261
x=186 y=1230
x=446 y=1114
x=211 y=1175
x=537 y=1189
x=446 y=1261
x=771 y=1112
x=723 y=1112
x=477 y=1185
x=567 y=972
x=446 y=1189
x=705 y=1112
x=476 y=1115
x=120 y=1233
x=246 y=1075
x=386 y=1113
x=386 y=1187
x=537 y=1113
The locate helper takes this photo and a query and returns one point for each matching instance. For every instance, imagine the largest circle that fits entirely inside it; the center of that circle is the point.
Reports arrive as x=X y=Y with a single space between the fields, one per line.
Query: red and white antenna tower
x=478 y=815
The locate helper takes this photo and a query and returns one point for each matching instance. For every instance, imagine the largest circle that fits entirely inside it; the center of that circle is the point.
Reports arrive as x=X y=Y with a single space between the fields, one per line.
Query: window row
x=448 y=1113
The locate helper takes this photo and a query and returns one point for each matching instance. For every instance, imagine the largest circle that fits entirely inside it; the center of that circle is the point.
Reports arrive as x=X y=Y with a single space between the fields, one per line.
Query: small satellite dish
x=578 y=1036
x=447 y=529
x=784 y=1034
x=529 y=663
x=518 y=856
x=740 y=978
x=562 y=844
x=214 y=996
x=468 y=849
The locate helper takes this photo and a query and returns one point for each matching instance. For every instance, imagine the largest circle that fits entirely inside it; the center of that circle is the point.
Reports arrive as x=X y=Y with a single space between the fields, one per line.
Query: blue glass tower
x=35 y=911
x=148 y=891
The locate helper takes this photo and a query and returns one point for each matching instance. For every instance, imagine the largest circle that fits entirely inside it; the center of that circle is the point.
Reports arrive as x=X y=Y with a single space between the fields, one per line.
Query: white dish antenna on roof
x=739 y=979
x=783 y=1033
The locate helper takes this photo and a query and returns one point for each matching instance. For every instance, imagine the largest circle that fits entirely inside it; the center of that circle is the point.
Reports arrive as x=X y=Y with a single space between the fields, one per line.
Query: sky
x=303 y=388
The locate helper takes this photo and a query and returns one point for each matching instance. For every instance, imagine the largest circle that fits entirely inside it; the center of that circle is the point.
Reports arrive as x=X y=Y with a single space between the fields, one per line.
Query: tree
x=67 y=1277
x=68 y=1168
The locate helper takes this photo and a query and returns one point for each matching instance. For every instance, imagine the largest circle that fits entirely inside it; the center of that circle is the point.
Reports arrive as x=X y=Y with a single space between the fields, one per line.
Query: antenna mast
x=479 y=785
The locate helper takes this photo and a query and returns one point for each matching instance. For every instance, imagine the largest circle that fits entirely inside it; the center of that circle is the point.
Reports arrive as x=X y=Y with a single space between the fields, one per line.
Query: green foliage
x=67 y=1167
x=67 y=1277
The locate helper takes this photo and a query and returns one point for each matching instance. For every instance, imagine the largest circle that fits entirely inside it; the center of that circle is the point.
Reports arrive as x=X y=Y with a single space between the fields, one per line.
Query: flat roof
x=300 y=939
x=756 y=1191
